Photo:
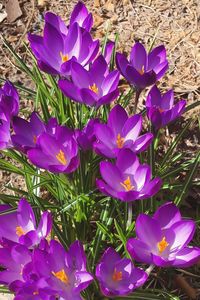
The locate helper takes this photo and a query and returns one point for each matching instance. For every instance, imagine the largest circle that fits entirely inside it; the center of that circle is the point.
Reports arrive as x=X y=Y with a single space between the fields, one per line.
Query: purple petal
x=167 y=215
x=138 y=57
x=108 y=51
x=184 y=232
x=110 y=83
x=140 y=81
x=174 y=113
x=142 y=142
x=142 y=176
x=105 y=189
x=88 y=97
x=80 y=76
x=122 y=63
x=25 y=215
x=148 y=231
x=127 y=161
x=106 y=99
x=187 y=257
x=151 y=188
x=132 y=128
x=117 y=118
x=56 y=22
x=69 y=90
x=139 y=251
x=45 y=225
x=154 y=97
x=111 y=174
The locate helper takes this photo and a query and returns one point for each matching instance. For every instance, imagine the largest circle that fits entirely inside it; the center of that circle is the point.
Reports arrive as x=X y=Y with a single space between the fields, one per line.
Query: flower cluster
x=38 y=267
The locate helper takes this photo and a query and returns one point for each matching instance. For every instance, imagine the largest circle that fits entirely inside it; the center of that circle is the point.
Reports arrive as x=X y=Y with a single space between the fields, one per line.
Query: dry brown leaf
x=97 y=20
x=3 y=16
x=13 y=10
x=109 y=6
x=42 y=3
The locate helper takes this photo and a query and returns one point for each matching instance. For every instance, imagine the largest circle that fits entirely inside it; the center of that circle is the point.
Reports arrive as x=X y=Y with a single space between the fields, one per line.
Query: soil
x=176 y=24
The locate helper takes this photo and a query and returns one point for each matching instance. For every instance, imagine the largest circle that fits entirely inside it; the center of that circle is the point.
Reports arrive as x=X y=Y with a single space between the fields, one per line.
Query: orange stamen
x=120 y=141
x=127 y=185
x=61 y=157
x=141 y=71
x=94 y=88
x=62 y=276
x=64 y=57
x=117 y=276
x=19 y=231
x=162 y=245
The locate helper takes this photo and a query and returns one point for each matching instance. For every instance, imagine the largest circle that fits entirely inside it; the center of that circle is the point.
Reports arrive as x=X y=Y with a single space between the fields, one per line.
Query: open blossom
x=9 y=101
x=86 y=137
x=94 y=87
x=161 y=109
x=60 y=45
x=163 y=239
x=20 y=226
x=127 y=180
x=81 y=15
x=57 y=153
x=64 y=273
x=118 y=276
x=143 y=69
x=26 y=133
x=120 y=132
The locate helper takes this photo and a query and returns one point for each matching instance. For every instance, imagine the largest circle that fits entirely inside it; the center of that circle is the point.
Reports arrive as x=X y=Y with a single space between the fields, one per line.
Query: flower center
x=161 y=110
x=162 y=245
x=19 y=231
x=94 y=88
x=35 y=293
x=64 y=57
x=34 y=139
x=61 y=157
x=120 y=141
x=127 y=185
x=141 y=71
x=62 y=276
x=117 y=276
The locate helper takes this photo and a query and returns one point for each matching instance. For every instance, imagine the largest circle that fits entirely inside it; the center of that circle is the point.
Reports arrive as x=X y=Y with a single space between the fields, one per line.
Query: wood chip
x=3 y=16
x=13 y=10
x=42 y=3
x=184 y=286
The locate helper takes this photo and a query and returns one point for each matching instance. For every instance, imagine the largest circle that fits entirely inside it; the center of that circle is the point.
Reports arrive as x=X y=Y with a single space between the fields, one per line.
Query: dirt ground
x=174 y=23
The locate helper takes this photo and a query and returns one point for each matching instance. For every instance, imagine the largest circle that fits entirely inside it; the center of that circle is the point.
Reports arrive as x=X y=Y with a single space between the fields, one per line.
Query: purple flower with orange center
x=143 y=69
x=161 y=109
x=81 y=15
x=163 y=239
x=26 y=133
x=118 y=276
x=60 y=45
x=120 y=132
x=63 y=272
x=20 y=226
x=57 y=153
x=127 y=180
x=94 y=87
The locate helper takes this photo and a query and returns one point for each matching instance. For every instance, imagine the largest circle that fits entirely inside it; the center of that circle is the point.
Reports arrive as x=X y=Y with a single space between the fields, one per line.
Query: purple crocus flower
x=14 y=260
x=86 y=137
x=163 y=239
x=9 y=101
x=81 y=15
x=118 y=276
x=57 y=153
x=59 y=46
x=94 y=87
x=143 y=69
x=161 y=109
x=127 y=180
x=20 y=226
x=63 y=272
x=120 y=132
x=26 y=133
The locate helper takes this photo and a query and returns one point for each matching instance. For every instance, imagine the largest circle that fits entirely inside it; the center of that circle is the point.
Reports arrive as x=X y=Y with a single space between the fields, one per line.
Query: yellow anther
x=64 y=57
x=19 y=231
x=35 y=293
x=62 y=276
x=127 y=184
x=162 y=245
x=120 y=141
x=61 y=157
x=34 y=139
x=161 y=110
x=141 y=71
x=94 y=88
x=117 y=276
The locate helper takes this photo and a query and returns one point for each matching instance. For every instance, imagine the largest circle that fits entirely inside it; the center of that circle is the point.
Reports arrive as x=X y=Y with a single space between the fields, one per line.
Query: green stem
x=137 y=95
x=130 y=214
